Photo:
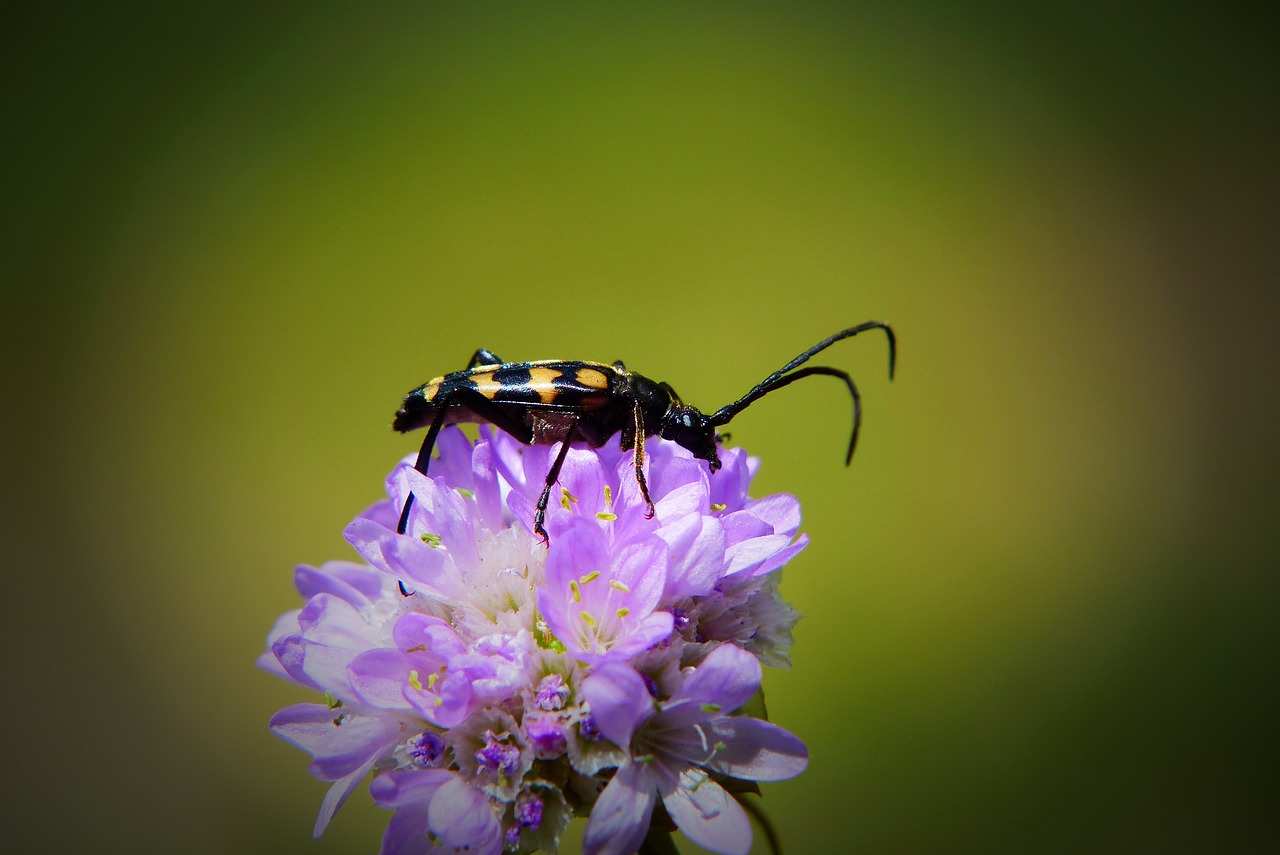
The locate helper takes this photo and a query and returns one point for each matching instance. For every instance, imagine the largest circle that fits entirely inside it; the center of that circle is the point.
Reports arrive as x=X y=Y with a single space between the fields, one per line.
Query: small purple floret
x=588 y=730
x=426 y=749
x=529 y=811
x=546 y=735
x=552 y=693
x=498 y=756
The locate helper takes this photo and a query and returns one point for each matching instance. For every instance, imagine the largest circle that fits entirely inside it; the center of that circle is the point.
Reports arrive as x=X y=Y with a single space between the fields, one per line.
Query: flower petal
x=336 y=749
x=337 y=795
x=619 y=701
x=619 y=819
x=707 y=814
x=725 y=680
x=755 y=750
x=460 y=817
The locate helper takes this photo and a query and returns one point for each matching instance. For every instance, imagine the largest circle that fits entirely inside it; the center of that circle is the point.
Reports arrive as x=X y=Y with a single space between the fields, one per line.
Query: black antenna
x=781 y=378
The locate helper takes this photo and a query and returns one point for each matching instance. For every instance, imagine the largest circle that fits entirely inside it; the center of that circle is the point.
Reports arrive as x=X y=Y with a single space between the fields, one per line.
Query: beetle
x=541 y=403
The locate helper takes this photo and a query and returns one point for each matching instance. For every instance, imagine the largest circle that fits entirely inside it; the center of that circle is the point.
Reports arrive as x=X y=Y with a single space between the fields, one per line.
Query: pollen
x=619 y=586
x=414 y=681
x=575 y=590
x=590 y=577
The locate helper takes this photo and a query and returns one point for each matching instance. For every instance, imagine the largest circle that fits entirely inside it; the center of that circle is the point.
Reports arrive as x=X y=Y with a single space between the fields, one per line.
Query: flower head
x=496 y=687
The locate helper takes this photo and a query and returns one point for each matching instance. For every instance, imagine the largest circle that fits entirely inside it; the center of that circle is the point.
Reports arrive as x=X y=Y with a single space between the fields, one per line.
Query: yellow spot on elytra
x=485 y=384
x=543 y=381
x=592 y=379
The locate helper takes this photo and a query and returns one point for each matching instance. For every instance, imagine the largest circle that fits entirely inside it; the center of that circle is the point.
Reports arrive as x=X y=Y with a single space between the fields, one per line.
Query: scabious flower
x=496 y=687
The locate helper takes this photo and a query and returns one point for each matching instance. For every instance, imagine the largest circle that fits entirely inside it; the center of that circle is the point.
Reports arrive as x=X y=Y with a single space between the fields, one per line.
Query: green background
x=1038 y=610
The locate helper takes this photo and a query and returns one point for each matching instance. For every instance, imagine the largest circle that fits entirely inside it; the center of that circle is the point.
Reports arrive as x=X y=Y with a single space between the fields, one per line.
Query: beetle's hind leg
x=471 y=400
x=483 y=356
x=424 y=458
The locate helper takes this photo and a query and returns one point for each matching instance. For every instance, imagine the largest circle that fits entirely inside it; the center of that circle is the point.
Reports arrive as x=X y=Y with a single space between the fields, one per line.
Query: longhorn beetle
x=541 y=403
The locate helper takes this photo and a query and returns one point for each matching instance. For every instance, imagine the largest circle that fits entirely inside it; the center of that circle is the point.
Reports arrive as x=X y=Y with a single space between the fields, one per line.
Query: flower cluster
x=497 y=686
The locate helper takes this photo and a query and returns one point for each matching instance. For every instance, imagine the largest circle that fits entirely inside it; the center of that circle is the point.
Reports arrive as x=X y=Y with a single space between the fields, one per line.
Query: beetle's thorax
x=667 y=416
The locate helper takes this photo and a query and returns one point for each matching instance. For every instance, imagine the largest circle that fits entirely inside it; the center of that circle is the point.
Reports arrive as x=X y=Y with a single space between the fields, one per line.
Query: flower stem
x=658 y=842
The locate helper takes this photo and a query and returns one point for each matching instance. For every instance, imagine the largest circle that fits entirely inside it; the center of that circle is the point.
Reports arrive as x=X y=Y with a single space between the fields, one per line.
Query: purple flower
x=494 y=686
x=675 y=747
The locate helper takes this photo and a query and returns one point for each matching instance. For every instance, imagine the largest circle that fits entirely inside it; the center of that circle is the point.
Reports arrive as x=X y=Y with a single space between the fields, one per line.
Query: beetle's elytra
x=540 y=403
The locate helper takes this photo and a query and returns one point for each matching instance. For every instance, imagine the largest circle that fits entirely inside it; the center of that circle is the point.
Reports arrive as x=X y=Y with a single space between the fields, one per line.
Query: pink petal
x=460 y=816
x=619 y=819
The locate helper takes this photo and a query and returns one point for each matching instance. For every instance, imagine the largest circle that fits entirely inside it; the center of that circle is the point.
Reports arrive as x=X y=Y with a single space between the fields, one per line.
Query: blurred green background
x=1040 y=607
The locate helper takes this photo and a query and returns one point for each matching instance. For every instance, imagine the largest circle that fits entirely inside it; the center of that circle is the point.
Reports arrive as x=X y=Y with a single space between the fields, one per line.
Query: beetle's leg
x=482 y=407
x=637 y=440
x=494 y=415
x=424 y=457
x=483 y=357
x=540 y=515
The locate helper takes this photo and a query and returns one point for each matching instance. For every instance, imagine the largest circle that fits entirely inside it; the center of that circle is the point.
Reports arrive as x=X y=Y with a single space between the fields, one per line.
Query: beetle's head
x=687 y=426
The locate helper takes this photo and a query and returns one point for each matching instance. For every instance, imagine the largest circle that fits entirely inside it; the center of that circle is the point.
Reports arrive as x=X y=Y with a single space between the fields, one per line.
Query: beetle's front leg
x=540 y=515
x=637 y=441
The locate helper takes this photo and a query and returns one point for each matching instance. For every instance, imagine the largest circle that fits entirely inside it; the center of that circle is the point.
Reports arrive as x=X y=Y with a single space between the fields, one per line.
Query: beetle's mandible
x=540 y=403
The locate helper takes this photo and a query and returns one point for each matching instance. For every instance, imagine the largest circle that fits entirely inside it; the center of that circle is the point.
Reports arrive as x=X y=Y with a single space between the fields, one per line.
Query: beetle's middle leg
x=540 y=515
